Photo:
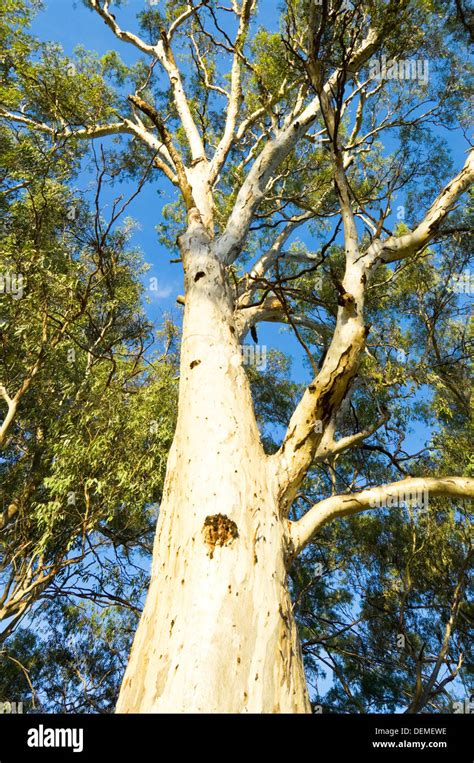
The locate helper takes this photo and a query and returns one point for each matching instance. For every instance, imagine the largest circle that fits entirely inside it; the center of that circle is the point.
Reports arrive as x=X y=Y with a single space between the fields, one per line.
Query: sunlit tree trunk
x=217 y=633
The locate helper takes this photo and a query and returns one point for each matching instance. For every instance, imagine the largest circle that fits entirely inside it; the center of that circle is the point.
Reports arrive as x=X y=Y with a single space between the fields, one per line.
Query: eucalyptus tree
x=322 y=125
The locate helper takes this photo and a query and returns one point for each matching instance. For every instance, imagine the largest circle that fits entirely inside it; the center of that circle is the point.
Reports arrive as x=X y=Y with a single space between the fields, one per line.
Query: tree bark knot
x=219 y=530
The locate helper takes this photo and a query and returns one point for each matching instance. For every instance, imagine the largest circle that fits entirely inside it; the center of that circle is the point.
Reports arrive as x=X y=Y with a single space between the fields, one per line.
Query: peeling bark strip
x=321 y=399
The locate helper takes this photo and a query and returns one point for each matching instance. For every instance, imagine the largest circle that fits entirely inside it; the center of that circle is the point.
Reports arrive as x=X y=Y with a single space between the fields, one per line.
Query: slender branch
x=165 y=136
x=123 y=35
x=267 y=259
x=330 y=447
x=166 y=58
x=423 y=695
x=14 y=401
x=184 y=17
x=337 y=506
x=276 y=150
x=125 y=127
x=99 y=131
x=235 y=98
x=270 y=311
x=397 y=248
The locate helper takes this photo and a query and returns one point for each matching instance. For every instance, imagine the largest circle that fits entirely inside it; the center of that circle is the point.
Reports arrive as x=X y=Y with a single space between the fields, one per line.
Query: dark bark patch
x=194 y=363
x=199 y=275
x=284 y=617
x=347 y=300
x=219 y=530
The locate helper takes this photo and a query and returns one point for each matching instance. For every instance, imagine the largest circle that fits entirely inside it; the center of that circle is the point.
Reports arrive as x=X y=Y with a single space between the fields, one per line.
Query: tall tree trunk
x=217 y=632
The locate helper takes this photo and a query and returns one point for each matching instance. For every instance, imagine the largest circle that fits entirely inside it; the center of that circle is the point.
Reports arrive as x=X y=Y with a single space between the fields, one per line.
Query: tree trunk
x=217 y=632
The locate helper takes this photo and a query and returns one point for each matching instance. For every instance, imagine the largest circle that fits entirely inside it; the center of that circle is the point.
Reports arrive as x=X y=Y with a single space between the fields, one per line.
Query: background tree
x=78 y=468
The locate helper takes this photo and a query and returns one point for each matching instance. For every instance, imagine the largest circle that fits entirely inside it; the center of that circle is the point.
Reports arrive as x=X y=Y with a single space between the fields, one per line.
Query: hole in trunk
x=219 y=530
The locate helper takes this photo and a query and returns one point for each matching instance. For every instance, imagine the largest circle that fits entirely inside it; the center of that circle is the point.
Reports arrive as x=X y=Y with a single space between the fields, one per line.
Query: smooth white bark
x=217 y=632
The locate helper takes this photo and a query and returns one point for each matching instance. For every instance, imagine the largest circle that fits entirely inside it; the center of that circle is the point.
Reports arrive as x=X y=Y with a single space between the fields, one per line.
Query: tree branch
x=398 y=248
x=161 y=51
x=425 y=692
x=325 y=511
x=265 y=262
x=100 y=131
x=235 y=98
x=184 y=17
x=166 y=138
x=276 y=150
x=330 y=447
x=14 y=401
x=129 y=37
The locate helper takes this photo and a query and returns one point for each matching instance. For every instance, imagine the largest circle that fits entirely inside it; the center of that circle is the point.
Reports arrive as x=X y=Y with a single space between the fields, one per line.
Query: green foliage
x=73 y=663
x=84 y=457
